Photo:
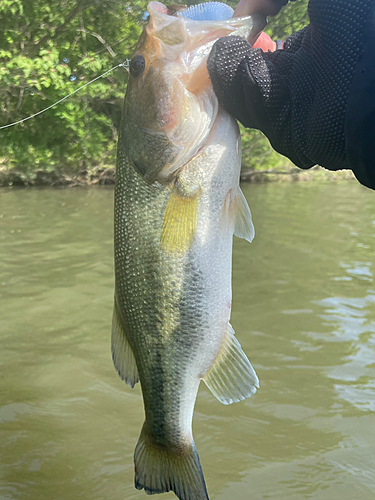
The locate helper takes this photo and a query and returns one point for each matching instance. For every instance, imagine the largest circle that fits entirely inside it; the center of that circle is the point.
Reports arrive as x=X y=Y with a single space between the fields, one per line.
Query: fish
x=177 y=205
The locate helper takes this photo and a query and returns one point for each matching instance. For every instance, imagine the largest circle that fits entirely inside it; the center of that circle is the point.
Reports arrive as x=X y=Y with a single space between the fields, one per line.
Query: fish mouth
x=179 y=122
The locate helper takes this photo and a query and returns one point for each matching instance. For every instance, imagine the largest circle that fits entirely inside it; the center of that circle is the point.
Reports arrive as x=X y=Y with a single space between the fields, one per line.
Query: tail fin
x=160 y=469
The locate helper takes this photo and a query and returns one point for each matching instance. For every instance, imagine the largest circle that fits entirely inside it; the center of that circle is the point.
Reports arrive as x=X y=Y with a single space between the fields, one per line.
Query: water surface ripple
x=303 y=310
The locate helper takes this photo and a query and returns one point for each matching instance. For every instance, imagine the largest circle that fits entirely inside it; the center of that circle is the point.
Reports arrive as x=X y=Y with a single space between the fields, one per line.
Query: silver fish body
x=177 y=206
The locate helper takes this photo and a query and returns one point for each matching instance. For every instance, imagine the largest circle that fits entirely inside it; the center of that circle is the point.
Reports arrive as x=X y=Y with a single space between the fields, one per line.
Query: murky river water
x=303 y=310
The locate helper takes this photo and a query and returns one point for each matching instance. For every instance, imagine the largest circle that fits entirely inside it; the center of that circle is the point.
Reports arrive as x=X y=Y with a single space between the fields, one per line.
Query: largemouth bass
x=177 y=205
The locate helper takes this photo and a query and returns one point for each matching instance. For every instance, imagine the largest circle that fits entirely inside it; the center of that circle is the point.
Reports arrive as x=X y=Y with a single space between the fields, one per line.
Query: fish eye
x=137 y=66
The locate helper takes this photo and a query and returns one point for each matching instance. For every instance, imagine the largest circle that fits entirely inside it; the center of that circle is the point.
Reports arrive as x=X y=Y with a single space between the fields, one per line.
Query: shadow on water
x=303 y=310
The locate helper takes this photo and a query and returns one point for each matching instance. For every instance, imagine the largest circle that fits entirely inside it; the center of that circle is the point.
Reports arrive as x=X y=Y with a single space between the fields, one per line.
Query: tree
x=48 y=48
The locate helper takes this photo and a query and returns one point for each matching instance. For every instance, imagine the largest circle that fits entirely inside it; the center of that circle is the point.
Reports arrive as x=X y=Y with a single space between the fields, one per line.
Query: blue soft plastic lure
x=210 y=11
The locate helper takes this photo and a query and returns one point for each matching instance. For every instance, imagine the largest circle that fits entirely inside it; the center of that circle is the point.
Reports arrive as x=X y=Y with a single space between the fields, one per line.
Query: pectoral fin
x=244 y=227
x=231 y=378
x=122 y=354
x=180 y=222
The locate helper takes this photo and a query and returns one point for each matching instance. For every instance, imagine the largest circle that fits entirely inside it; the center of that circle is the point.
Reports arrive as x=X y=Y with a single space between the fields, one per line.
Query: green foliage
x=292 y=18
x=48 y=48
x=257 y=153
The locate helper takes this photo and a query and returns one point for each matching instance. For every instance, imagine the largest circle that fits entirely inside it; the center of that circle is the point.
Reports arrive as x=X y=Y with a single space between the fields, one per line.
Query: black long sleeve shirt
x=315 y=99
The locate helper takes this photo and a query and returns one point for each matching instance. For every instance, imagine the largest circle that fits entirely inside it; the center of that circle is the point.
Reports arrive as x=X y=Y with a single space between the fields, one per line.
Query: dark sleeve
x=301 y=97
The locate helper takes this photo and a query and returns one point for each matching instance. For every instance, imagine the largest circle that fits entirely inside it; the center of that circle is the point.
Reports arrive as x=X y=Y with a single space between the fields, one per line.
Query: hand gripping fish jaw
x=170 y=104
x=177 y=205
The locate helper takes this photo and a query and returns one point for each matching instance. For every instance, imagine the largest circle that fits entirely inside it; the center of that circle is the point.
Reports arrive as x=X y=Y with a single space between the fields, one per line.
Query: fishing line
x=124 y=64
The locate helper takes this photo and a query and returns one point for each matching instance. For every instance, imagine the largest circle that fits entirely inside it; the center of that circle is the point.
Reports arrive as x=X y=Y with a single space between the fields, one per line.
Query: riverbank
x=94 y=176
x=294 y=174
x=106 y=176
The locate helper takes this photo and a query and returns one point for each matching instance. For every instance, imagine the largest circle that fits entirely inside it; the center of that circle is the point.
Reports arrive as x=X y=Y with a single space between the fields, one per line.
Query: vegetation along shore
x=102 y=176
x=50 y=48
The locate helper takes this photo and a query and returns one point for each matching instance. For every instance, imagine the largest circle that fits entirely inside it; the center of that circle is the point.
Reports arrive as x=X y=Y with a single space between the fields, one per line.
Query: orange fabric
x=265 y=43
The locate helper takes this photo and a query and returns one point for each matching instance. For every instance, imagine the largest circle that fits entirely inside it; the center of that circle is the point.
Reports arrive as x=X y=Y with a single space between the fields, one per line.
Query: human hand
x=265 y=7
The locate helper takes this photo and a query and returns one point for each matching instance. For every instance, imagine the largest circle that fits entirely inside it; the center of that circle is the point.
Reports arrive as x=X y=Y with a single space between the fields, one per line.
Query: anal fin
x=231 y=378
x=122 y=354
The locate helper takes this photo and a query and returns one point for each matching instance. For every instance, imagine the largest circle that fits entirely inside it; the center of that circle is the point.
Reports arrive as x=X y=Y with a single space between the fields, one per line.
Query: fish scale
x=177 y=205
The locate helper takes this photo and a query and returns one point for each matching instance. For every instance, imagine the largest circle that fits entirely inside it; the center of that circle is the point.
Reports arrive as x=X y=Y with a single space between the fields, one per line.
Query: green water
x=303 y=309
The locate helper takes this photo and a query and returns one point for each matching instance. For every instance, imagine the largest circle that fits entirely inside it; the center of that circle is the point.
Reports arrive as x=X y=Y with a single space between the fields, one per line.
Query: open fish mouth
x=172 y=106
